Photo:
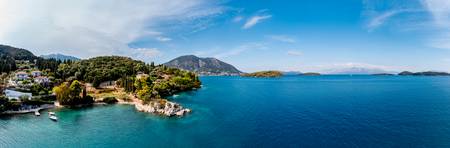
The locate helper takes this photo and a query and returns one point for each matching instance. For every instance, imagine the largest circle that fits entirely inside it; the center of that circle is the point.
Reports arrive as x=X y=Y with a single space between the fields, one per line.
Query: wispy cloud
x=145 y=53
x=282 y=38
x=294 y=53
x=440 y=10
x=88 y=28
x=252 y=21
x=410 y=15
x=381 y=19
x=163 y=39
x=238 y=19
x=240 y=49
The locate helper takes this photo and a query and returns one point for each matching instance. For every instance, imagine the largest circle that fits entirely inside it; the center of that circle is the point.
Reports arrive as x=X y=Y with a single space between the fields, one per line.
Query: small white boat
x=54 y=118
x=51 y=113
x=37 y=113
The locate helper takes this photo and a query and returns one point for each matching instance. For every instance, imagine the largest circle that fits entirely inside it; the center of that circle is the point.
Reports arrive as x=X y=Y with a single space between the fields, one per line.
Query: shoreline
x=42 y=107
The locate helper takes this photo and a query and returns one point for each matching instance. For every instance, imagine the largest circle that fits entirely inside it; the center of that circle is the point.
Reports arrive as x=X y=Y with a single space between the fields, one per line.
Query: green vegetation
x=101 y=69
x=153 y=82
x=161 y=82
x=70 y=94
x=4 y=103
x=110 y=100
x=264 y=74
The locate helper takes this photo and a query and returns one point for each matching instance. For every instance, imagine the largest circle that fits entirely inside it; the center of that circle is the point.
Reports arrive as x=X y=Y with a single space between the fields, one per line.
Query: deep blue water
x=324 y=111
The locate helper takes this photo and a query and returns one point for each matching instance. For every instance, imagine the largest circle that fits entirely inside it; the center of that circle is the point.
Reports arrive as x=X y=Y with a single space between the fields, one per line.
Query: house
x=141 y=75
x=42 y=80
x=21 y=76
x=36 y=73
x=11 y=94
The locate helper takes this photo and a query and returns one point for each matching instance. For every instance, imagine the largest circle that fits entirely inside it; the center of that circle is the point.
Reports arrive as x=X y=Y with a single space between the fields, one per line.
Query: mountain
x=60 y=57
x=9 y=55
x=357 y=71
x=16 y=53
x=203 y=66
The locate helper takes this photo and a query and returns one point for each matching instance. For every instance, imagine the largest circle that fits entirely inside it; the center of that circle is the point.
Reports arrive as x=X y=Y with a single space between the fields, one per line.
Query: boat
x=37 y=113
x=53 y=117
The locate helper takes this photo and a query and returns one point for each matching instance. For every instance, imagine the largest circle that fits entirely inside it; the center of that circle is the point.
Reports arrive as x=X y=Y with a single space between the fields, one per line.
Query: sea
x=232 y=112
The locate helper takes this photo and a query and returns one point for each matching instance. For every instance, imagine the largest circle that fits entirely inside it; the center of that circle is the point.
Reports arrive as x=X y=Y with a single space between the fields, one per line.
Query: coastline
x=42 y=107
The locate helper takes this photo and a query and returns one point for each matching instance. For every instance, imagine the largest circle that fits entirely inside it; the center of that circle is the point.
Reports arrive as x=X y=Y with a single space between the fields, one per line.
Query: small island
x=264 y=74
x=310 y=74
x=426 y=73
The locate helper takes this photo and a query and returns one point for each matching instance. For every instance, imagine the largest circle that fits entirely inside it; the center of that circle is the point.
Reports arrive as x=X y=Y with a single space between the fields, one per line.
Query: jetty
x=31 y=110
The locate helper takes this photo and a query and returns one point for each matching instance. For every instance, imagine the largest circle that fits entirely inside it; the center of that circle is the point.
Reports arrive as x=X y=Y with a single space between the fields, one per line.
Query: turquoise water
x=325 y=111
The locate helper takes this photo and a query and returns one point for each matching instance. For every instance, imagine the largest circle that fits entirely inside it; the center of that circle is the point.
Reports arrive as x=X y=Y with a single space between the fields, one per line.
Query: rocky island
x=264 y=74
x=426 y=73
x=310 y=74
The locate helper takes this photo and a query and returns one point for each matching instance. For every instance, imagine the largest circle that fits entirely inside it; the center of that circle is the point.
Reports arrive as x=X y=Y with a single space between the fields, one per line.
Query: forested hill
x=16 y=53
x=99 y=69
x=9 y=54
x=203 y=66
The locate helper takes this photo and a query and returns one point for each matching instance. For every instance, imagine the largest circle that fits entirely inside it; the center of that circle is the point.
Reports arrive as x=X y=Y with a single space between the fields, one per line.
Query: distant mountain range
x=203 y=66
x=60 y=57
x=358 y=71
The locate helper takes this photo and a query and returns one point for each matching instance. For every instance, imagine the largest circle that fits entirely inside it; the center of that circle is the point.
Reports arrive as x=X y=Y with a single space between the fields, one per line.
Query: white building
x=11 y=94
x=42 y=80
x=21 y=76
x=36 y=73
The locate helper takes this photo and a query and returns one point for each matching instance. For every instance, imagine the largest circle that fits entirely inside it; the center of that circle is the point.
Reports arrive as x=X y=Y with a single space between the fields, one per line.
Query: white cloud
x=88 y=28
x=282 y=38
x=255 y=20
x=145 y=54
x=294 y=53
x=163 y=39
x=240 y=49
x=238 y=19
x=381 y=19
x=440 y=10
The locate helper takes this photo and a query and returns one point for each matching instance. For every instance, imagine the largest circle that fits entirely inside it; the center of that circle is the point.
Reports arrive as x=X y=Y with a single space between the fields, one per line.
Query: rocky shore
x=163 y=107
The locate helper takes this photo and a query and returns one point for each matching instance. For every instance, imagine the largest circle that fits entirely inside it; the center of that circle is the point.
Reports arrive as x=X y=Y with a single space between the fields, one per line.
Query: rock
x=162 y=107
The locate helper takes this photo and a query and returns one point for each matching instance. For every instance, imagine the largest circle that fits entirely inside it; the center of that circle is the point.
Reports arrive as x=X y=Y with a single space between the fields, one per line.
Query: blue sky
x=301 y=35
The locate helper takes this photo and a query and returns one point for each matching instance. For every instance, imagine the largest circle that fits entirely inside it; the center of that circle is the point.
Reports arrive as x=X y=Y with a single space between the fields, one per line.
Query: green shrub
x=110 y=100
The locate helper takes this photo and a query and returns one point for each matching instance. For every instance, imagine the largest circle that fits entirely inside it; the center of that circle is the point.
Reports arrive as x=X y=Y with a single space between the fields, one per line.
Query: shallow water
x=323 y=111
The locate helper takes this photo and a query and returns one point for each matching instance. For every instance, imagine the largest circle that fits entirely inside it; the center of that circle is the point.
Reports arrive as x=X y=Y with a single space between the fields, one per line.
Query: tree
x=70 y=94
x=3 y=103
x=75 y=89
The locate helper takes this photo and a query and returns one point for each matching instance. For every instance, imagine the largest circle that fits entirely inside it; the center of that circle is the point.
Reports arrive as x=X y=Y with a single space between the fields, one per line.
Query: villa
x=42 y=80
x=141 y=75
x=21 y=76
x=36 y=73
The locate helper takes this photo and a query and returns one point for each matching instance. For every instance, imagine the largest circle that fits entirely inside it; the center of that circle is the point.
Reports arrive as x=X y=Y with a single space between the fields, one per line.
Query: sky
x=253 y=35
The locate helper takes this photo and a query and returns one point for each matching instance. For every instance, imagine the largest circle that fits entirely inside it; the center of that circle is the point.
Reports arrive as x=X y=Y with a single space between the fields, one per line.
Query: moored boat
x=54 y=118
x=37 y=113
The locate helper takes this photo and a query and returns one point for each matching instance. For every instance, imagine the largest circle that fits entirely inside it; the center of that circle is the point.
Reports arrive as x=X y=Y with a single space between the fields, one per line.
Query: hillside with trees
x=147 y=81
